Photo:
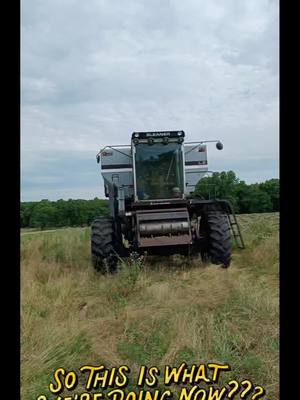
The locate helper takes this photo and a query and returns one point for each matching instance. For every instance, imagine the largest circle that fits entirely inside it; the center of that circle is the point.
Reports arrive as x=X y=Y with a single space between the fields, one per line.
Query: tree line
x=245 y=198
x=47 y=214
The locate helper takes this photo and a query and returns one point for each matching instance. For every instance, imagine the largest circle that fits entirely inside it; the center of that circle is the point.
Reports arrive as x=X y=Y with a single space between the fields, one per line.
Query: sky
x=93 y=72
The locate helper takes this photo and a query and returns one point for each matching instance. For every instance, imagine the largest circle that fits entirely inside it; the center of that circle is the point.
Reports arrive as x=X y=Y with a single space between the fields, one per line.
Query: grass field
x=154 y=311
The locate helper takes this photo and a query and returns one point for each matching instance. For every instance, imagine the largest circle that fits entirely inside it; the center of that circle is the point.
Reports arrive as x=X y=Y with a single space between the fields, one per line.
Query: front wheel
x=103 y=239
x=218 y=238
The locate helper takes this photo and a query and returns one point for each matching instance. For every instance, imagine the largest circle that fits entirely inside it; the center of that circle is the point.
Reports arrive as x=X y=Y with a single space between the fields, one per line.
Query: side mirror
x=98 y=158
x=219 y=146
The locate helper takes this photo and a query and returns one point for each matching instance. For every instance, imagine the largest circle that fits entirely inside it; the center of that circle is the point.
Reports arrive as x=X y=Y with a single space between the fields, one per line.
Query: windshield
x=159 y=171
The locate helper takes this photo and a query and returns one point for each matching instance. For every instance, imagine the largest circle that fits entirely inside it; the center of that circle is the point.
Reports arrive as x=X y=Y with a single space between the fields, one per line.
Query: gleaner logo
x=157 y=134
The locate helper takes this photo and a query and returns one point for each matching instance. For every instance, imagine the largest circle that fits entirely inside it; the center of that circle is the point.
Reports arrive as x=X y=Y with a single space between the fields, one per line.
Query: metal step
x=235 y=229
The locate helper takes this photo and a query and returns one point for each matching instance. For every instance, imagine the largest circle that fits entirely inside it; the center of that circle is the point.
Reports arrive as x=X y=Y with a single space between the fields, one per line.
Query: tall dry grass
x=156 y=312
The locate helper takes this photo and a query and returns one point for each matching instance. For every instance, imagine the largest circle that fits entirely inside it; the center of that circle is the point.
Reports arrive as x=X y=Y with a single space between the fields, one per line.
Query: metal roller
x=173 y=227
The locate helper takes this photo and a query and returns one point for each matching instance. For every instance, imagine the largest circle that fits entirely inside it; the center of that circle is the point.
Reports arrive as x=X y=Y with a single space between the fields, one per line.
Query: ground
x=154 y=312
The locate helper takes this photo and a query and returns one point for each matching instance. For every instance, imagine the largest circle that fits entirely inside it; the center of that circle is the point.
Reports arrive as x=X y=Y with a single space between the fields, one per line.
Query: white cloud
x=93 y=72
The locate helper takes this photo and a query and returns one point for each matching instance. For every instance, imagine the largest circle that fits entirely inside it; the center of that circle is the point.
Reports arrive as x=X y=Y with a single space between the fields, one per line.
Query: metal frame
x=133 y=151
x=130 y=145
x=201 y=142
x=183 y=166
x=167 y=239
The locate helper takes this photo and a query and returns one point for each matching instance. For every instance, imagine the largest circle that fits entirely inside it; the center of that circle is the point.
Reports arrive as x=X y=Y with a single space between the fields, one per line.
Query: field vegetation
x=155 y=311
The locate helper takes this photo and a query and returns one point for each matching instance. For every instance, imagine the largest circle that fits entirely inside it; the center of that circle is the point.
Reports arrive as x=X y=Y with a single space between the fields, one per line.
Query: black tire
x=103 y=241
x=218 y=250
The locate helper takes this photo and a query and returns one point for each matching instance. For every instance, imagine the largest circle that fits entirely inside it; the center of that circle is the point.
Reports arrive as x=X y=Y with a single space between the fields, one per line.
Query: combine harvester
x=153 y=209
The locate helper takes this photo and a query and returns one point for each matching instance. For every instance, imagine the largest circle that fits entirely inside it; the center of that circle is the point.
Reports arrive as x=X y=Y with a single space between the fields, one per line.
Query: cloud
x=93 y=72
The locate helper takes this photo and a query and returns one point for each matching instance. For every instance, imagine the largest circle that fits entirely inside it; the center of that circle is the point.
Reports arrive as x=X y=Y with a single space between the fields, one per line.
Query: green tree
x=44 y=215
x=221 y=185
x=252 y=199
x=60 y=213
x=26 y=210
x=258 y=197
x=271 y=187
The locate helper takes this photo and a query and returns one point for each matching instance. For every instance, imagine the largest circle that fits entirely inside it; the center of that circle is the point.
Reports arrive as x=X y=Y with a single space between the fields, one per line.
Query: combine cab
x=150 y=186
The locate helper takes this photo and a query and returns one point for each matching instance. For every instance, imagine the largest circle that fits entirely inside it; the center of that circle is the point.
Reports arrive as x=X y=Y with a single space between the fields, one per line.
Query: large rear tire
x=103 y=245
x=218 y=250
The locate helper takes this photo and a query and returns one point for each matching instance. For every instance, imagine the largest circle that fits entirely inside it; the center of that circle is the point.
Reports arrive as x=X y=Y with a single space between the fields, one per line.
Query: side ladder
x=235 y=229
